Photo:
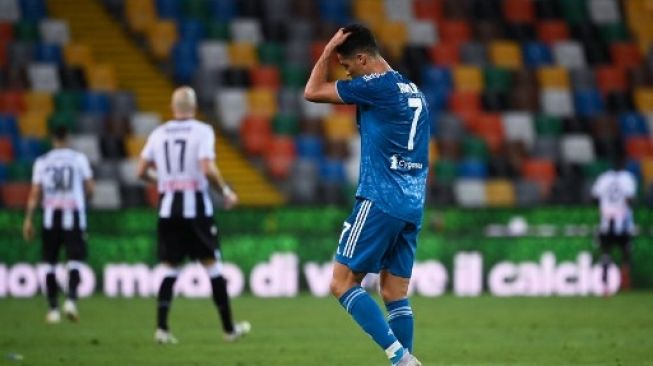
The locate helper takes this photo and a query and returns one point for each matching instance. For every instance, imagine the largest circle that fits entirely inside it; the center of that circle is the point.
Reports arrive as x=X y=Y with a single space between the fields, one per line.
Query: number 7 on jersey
x=417 y=104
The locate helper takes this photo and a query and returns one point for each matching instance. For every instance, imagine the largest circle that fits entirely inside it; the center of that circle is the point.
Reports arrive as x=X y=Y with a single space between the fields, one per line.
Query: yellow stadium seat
x=34 y=124
x=37 y=101
x=339 y=126
x=506 y=54
x=369 y=11
x=553 y=77
x=242 y=55
x=102 y=77
x=468 y=78
x=647 y=170
x=134 y=145
x=499 y=192
x=161 y=37
x=337 y=72
x=262 y=102
x=394 y=36
x=644 y=99
x=140 y=14
x=77 y=54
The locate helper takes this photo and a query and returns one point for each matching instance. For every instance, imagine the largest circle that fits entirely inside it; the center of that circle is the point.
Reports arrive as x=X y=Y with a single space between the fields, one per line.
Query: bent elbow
x=309 y=95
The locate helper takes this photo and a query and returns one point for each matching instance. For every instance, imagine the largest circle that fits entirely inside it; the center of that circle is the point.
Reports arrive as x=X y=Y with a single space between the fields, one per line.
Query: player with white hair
x=179 y=157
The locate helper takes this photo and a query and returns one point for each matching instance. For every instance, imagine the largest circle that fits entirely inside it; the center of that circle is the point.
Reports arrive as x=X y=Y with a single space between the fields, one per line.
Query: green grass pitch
x=309 y=331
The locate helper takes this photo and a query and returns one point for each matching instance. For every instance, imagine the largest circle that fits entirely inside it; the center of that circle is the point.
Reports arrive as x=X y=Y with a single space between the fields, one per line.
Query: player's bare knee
x=393 y=293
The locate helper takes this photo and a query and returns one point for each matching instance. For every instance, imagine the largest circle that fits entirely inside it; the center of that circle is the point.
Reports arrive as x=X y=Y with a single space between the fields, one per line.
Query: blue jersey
x=393 y=120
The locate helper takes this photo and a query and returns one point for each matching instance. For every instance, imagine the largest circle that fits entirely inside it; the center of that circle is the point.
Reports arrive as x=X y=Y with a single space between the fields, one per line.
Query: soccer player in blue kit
x=380 y=235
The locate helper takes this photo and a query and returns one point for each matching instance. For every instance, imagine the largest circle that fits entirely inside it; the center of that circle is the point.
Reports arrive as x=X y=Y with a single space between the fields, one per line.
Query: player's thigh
x=367 y=235
x=400 y=257
x=171 y=246
x=51 y=240
x=203 y=239
x=75 y=242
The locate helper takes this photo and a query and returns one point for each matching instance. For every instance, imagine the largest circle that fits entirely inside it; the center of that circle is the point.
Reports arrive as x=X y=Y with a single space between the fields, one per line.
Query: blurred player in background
x=61 y=179
x=380 y=236
x=182 y=154
x=615 y=191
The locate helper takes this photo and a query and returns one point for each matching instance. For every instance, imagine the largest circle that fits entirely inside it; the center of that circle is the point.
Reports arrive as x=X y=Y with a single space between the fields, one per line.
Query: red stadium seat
x=265 y=77
x=6 y=150
x=6 y=32
x=14 y=195
x=445 y=54
x=280 y=156
x=550 y=31
x=541 y=171
x=625 y=54
x=428 y=10
x=519 y=11
x=611 y=78
x=465 y=104
x=455 y=31
x=255 y=134
x=12 y=102
x=490 y=128
x=639 y=147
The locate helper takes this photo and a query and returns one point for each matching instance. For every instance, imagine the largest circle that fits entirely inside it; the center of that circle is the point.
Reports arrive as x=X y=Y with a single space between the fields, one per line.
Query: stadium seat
x=639 y=147
x=123 y=103
x=280 y=156
x=162 y=36
x=34 y=124
x=474 y=53
x=518 y=126
x=429 y=10
x=472 y=168
x=247 y=31
x=95 y=102
x=309 y=147
x=9 y=10
x=6 y=150
x=519 y=11
x=557 y=102
x=536 y=54
x=604 y=11
x=213 y=55
x=394 y=36
x=470 y=192
x=102 y=77
x=39 y=102
x=475 y=147
x=577 y=149
x=505 y=54
x=611 y=78
x=500 y=193
x=569 y=54
x=143 y=123
x=73 y=78
x=262 y=102
x=285 y=125
x=454 y=31
x=632 y=124
x=497 y=79
x=12 y=102
x=106 y=195
x=550 y=31
x=242 y=55
x=231 y=106
x=449 y=127
x=588 y=103
x=44 y=77
x=134 y=145
x=465 y=104
x=89 y=123
x=468 y=78
x=422 y=33
x=8 y=126
x=582 y=78
x=541 y=171
x=444 y=54
x=644 y=99
x=140 y=14
x=14 y=195
x=625 y=54
x=339 y=127
x=54 y=31
x=436 y=77
x=553 y=77
x=265 y=77
x=88 y=145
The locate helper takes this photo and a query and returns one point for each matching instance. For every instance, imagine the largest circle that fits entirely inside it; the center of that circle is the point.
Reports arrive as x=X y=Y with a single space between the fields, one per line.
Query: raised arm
x=318 y=88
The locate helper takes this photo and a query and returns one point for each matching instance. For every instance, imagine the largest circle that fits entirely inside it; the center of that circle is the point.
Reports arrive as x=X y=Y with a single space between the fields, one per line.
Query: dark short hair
x=59 y=132
x=360 y=39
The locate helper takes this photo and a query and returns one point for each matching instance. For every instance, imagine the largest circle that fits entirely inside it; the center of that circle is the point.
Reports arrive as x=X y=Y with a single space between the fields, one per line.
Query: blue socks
x=400 y=319
x=367 y=314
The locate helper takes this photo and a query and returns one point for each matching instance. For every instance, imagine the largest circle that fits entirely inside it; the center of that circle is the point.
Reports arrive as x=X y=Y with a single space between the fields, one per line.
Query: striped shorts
x=371 y=241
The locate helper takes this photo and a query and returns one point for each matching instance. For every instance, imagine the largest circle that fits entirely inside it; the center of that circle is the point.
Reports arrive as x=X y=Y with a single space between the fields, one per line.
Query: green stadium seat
x=574 y=11
x=197 y=9
x=497 y=79
x=67 y=119
x=548 y=125
x=67 y=101
x=475 y=147
x=294 y=76
x=593 y=169
x=285 y=125
x=445 y=171
x=217 y=30
x=614 y=32
x=20 y=171
x=26 y=31
x=271 y=53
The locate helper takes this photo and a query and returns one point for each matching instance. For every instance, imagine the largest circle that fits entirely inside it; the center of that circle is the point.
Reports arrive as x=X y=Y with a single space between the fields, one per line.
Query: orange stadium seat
x=34 y=124
x=262 y=102
x=339 y=126
x=499 y=193
x=625 y=54
x=541 y=171
x=506 y=54
x=12 y=102
x=639 y=147
x=39 y=102
x=140 y=14
x=242 y=55
x=465 y=104
x=162 y=36
x=644 y=99
x=6 y=150
x=553 y=77
x=102 y=77
x=445 y=54
x=77 y=54
x=550 y=31
x=394 y=36
x=490 y=128
x=369 y=11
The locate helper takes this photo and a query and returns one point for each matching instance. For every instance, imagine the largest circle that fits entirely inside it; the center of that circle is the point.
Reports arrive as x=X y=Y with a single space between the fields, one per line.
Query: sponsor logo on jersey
x=399 y=163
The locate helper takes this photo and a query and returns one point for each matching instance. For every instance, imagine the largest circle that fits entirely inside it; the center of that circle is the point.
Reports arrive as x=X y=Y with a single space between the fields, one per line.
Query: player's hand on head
x=337 y=39
x=28 y=230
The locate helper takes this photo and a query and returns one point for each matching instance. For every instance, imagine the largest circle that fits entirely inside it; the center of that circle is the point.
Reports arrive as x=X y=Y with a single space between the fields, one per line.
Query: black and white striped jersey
x=61 y=173
x=176 y=149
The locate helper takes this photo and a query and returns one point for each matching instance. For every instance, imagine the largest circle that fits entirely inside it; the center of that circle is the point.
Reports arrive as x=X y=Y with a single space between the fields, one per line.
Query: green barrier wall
x=250 y=236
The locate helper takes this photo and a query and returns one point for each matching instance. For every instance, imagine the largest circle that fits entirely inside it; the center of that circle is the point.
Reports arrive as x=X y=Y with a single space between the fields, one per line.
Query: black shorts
x=610 y=239
x=73 y=240
x=179 y=238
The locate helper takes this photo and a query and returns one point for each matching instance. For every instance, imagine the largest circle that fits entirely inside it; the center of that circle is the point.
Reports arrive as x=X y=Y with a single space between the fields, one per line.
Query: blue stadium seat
x=32 y=9
x=28 y=149
x=223 y=10
x=96 y=102
x=634 y=167
x=191 y=30
x=335 y=11
x=536 y=54
x=3 y=173
x=632 y=124
x=48 y=52
x=589 y=103
x=8 y=126
x=437 y=98
x=309 y=147
x=439 y=77
x=472 y=168
x=168 y=9
x=186 y=61
x=332 y=171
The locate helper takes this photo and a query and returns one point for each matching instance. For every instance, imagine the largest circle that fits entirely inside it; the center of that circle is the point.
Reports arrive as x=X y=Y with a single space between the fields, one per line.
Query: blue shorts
x=372 y=241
